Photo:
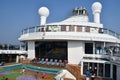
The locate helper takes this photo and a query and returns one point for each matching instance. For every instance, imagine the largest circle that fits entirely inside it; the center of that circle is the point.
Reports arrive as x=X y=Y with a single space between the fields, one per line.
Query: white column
x=81 y=68
x=43 y=20
x=83 y=29
x=97 y=17
x=31 y=49
x=94 y=55
x=111 y=71
x=93 y=47
x=89 y=65
x=104 y=48
x=75 y=52
x=97 y=69
x=75 y=28
x=67 y=28
x=17 y=59
x=103 y=69
x=35 y=29
x=60 y=28
x=28 y=31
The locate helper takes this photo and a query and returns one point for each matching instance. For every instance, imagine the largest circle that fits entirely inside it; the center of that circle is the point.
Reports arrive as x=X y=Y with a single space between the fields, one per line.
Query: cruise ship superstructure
x=76 y=40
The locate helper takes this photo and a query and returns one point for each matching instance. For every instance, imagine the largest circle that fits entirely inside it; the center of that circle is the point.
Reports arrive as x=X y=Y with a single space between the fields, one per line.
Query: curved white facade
x=79 y=34
x=69 y=36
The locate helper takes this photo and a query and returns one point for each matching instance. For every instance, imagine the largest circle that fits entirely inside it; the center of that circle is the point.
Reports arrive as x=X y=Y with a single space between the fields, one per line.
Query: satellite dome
x=43 y=11
x=96 y=6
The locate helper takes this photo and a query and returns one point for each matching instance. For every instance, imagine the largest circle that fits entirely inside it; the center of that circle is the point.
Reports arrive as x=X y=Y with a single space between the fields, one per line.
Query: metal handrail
x=42 y=29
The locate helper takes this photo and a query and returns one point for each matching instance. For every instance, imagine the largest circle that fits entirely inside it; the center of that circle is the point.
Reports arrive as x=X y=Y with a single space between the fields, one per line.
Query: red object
x=43 y=75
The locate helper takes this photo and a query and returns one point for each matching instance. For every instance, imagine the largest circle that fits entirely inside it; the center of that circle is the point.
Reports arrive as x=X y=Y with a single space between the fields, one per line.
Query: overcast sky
x=16 y=15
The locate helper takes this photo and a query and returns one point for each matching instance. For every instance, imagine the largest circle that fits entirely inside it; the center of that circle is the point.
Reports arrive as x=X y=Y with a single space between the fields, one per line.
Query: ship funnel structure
x=44 y=13
x=81 y=13
x=96 y=8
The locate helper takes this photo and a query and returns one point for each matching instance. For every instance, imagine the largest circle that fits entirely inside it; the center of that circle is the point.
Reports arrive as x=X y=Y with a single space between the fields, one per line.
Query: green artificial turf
x=10 y=76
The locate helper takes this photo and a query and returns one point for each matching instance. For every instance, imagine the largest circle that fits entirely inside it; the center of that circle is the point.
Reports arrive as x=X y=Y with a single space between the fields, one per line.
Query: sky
x=16 y=15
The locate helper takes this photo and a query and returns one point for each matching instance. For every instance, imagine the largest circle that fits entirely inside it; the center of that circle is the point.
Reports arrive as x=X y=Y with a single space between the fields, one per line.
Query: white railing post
x=28 y=30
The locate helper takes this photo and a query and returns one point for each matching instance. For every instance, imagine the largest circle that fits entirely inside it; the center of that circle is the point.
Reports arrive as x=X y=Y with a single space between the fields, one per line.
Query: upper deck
x=69 y=32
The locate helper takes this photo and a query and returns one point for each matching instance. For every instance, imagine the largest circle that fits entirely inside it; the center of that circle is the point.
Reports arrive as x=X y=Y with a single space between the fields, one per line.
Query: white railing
x=67 y=28
x=12 y=52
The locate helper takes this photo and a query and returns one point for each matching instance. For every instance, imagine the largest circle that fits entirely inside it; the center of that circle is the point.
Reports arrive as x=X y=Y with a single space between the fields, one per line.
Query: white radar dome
x=43 y=11
x=96 y=6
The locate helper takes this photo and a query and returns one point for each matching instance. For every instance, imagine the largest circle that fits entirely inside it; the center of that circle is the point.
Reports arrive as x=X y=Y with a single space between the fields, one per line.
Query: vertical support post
x=104 y=70
x=35 y=29
x=104 y=48
x=31 y=49
x=75 y=28
x=108 y=31
x=28 y=30
x=94 y=48
x=88 y=65
x=83 y=29
x=97 y=69
x=111 y=70
x=81 y=68
x=67 y=28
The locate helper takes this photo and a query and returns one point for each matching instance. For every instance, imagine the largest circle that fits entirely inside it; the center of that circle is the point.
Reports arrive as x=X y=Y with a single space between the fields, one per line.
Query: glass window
x=95 y=68
x=100 y=30
x=71 y=28
x=99 y=49
x=51 y=50
x=100 y=70
x=87 y=29
x=90 y=67
x=88 y=48
x=114 y=72
x=79 y=29
x=107 y=70
x=85 y=67
x=63 y=28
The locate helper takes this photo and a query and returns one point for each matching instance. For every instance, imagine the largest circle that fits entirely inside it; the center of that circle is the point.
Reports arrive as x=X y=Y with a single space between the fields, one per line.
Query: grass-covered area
x=18 y=75
x=10 y=76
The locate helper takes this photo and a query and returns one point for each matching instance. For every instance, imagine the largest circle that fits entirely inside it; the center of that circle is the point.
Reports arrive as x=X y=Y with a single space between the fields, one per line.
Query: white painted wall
x=84 y=36
x=31 y=49
x=75 y=51
x=118 y=72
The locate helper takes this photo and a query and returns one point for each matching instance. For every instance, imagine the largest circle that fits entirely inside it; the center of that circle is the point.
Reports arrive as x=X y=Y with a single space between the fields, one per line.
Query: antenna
x=44 y=13
x=96 y=8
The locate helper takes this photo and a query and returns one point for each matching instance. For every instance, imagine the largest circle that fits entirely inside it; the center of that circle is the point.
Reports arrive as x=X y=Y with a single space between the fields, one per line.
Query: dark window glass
x=107 y=70
x=85 y=67
x=63 y=28
x=100 y=70
x=114 y=72
x=88 y=48
x=51 y=50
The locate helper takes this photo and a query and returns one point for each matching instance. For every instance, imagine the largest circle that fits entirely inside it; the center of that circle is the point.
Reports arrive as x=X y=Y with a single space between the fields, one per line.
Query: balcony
x=70 y=28
x=110 y=53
